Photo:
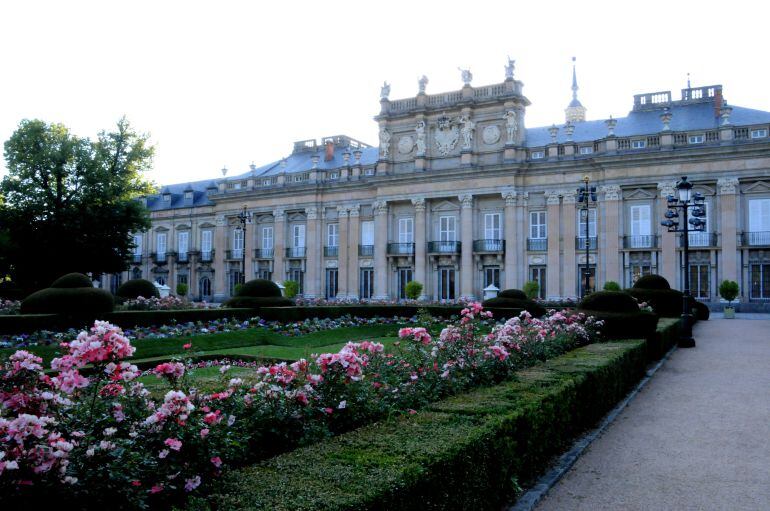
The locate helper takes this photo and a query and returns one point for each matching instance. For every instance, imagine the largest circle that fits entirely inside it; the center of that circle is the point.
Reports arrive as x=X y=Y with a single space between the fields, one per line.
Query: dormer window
x=696 y=139
x=369 y=172
x=638 y=144
x=761 y=133
x=537 y=155
x=236 y=186
x=166 y=197
x=188 y=195
x=586 y=150
x=334 y=175
x=265 y=182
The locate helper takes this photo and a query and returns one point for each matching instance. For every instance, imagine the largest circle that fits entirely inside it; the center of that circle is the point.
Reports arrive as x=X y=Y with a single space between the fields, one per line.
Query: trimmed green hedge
x=626 y=325
x=72 y=280
x=76 y=301
x=134 y=288
x=287 y=314
x=530 y=306
x=609 y=301
x=516 y=294
x=465 y=452
x=28 y=323
x=259 y=288
x=652 y=281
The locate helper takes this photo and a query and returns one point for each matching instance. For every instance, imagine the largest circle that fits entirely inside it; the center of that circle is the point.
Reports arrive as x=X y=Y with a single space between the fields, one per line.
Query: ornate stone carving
x=420 y=133
x=342 y=211
x=332 y=263
x=279 y=215
x=466 y=75
x=724 y=113
x=667 y=188
x=366 y=263
x=611 y=192
x=419 y=204
x=220 y=220
x=447 y=134
x=569 y=196
x=405 y=144
x=468 y=126
x=509 y=69
x=385 y=137
x=552 y=197
x=467 y=201
x=523 y=199
x=380 y=207
x=311 y=213
x=355 y=210
x=665 y=118
x=727 y=185
x=611 y=123
x=422 y=82
x=490 y=134
x=553 y=131
x=511 y=126
x=510 y=197
x=385 y=90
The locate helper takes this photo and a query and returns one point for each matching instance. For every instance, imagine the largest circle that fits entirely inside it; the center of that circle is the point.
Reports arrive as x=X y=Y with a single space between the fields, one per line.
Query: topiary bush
x=72 y=280
x=611 y=285
x=531 y=289
x=652 y=282
x=516 y=294
x=181 y=289
x=413 y=289
x=132 y=289
x=502 y=302
x=665 y=302
x=729 y=290
x=259 y=288
x=625 y=325
x=700 y=310
x=609 y=301
x=81 y=301
x=290 y=288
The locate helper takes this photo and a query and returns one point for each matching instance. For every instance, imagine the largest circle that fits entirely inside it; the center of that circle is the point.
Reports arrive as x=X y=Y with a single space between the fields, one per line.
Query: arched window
x=161 y=280
x=204 y=288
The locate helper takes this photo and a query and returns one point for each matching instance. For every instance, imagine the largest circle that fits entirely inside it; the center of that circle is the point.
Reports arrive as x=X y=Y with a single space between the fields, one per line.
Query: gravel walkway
x=696 y=437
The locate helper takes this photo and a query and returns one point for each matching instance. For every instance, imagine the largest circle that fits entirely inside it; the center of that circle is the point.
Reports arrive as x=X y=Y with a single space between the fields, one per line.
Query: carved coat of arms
x=447 y=134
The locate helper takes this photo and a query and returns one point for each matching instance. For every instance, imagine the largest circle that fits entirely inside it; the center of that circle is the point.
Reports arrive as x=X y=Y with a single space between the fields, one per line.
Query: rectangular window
x=537 y=155
x=701 y=239
x=161 y=245
x=138 y=244
x=492 y=226
x=266 y=182
x=206 y=245
x=333 y=235
x=181 y=279
x=586 y=150
x=446 y=284
x=760 y=281
x=334 y=175
x=367 y=233
x=700 y=281
x=759 y=215
x=591 y=223
x=404 y=276
x=369 y=172
x=235 y=278
x=298 y=276
x=762 y=133
x=298 y=235
x=537 y=274
x=331 y=283
x=406 y=230
x=636 y=271
x=366 y=284
x=183 y=242
x=638 y=144
x=695 y=139
x=267 y=238
x=264 y=273
x=537 y=225
x=641 y=226
x=492 y=276
x=447 y=230
x=237 y=242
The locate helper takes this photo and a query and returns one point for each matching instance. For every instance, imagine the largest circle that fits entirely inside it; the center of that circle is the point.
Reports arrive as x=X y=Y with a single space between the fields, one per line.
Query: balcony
x=207 y=256
x=756 y=239
x=295 y=252
x=366 y=250
x=234 y=255
x=183 y=257
x=537 y=244
x=641 y=241
x=490 y=245
x=444 y=247
x=701 y=239
x=331 y=251
x=263 y=253
x=400 y=248
x=160 y=257
x=580 y=242
x=136 y=258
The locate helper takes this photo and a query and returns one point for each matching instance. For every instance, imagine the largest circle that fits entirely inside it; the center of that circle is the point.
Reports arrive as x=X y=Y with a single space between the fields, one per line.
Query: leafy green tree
x=69 y=202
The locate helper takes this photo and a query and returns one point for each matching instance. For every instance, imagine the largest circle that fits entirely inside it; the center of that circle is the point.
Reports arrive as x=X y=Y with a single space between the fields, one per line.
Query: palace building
x=460 y=194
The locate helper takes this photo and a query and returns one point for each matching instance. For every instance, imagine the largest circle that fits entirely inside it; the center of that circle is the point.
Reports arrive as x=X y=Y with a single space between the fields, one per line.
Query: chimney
x=718 y=102
x=329 y=151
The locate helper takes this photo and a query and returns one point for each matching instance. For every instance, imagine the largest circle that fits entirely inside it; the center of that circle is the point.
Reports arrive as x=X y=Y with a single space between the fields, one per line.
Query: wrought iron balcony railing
x=331 y=251
x=400 y=248
x=160 y=257
x=136 y=258
x=296 y=252
x=489 y=245
x=263 y=253
x=182 y=257
x=756 y=238
x=640 y=241
x=207 y=256
x=700 y=239
x=580 y=242
x=444 y=247
x=234 y=254
x=537 y=244
x=366 y=250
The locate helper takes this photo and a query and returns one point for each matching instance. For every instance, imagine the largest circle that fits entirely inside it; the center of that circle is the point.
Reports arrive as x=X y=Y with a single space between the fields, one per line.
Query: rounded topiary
x=665 y=302
x=254 y=302
x=72 y=280
x=652 y=282
x=81 y=301
x=132 y=289
x=259 y=288
x=413 y=289
x=531 y=289
x=502 y=302
x=611 y=285
x=516 y=294
x=729 y=290
x=701 y=310
x=609 y=301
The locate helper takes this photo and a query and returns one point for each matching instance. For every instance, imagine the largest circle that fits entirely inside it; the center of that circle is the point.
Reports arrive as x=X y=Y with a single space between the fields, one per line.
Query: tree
x=69 y=202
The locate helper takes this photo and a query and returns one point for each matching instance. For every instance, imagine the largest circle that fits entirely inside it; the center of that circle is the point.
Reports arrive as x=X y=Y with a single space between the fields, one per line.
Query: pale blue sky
x=228 y=83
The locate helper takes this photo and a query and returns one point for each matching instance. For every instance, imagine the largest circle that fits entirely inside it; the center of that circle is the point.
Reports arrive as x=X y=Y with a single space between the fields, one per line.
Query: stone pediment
x=161 y=229
x=296 y=217
x=638 y=193
x=183 y=227
x=265 y=219
x=705 y=190
x=758 y=187
x=206 y=225
x=444 y=205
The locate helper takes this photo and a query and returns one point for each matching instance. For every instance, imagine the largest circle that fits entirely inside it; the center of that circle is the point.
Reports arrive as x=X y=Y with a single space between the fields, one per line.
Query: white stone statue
x=467 y=131
x=509 y=69
x=385 y=137
x=385 y=90
x=466 y=75
x=422 y=82
x=511 y=126
x=420 y=130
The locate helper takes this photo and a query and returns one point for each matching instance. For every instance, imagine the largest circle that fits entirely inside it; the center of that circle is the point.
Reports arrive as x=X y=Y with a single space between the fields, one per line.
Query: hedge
x=465 y=452
x=259 y=288
x=530 y=306
x=516 y=294
x=255 y=302
x=609 y=301
x=134 y=288
x=625 y=325
x=72 y=280
x=76 y=301
x=287 y=314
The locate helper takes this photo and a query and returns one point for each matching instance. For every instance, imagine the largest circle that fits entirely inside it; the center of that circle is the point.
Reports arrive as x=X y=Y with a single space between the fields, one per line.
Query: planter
x=729 y=312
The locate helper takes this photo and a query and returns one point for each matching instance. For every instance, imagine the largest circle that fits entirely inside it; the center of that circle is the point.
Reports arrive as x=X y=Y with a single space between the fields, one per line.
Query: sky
x=229 y=83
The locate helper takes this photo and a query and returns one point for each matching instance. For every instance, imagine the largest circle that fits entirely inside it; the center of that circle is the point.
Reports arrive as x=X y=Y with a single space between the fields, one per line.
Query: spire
x=575 y=112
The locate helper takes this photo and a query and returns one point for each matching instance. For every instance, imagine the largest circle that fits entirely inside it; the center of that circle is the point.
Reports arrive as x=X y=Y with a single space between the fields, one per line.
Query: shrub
x=609 y=301
x=413 y=289
x=290 y=288
x=516 y=294
x=72 y=280
x=259 y=288
x=611 y=285
x=533 y=308
x=181 y=289
x=729 y=290
x=665 y=302
x=652 y=282
x=531 y=289
x=137 y=287
x=625 y=325
x=83 y=301
x=254 y=302
x=700 y=310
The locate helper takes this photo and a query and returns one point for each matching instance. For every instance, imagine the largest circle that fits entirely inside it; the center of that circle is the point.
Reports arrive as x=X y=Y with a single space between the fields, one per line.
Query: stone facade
x=461 y=194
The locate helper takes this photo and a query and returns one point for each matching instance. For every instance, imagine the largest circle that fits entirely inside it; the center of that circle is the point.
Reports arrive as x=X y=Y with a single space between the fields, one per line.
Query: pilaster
x=342 y=252
x=554 y=236
x=220 y=242
x=668 y=264
x=728 y=221
x=466 y=248
x=569 y=221
x=354 y=239
x=312 y=254
x=511 y=252
x=610 y=249
x=279 y=245
x=420 y=244
x=380 y=250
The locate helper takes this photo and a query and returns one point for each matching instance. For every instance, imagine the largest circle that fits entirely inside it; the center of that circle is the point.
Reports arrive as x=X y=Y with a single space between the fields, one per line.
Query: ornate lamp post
x=244 y=217
x=685 y=201
x=586 y=195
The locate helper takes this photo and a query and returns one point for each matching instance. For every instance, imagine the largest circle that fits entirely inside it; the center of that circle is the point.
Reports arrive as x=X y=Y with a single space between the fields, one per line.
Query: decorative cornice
x=552 y=197
x=419 y=204
x=523 y=199
x=380 y=207
x=727 y=185
x=569 y=196
x=510 y=197
x=611 y=192
x=355 y=210
x=220 y=220
x=467 y=201
x=667 y=188
x=279 y=214
x=311 y=213
x=342 y=211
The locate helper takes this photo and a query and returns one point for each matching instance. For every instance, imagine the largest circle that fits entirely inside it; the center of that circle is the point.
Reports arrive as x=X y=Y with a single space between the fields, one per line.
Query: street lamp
x=244 y=217
x=685 y=201
x=586 y=194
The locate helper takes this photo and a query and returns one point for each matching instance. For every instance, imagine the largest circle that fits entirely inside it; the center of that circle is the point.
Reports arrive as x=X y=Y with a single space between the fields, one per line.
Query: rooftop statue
x=385 y=90
x=509 y=69
x=422 y=83
x=466 y=75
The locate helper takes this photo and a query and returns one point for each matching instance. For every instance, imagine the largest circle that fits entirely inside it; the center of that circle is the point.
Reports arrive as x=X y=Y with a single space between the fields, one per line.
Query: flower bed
x=161 y=304
x=89 y=442
x=8 y=307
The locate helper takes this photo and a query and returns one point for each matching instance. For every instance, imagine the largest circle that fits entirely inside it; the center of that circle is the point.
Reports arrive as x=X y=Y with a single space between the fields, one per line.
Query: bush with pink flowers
x=97 y=438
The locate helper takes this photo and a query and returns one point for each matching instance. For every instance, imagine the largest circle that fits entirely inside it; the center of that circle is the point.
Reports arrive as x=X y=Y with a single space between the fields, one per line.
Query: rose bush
x=97 y=438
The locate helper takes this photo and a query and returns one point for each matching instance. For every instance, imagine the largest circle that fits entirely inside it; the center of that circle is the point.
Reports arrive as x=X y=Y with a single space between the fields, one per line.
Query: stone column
x=728 y=226
x=667 y=266
x=511 y=252
x=569 y=261
x=220 y=243
x=354 y=239
x=248 y=248
x=611 y=229
x=380 y=250
x=553 y=269
x=192 y=261
x=420 y=244
x=466 y=238
x=312 y=254
x=279 y=245
x=520 y=241
x=342 y=255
